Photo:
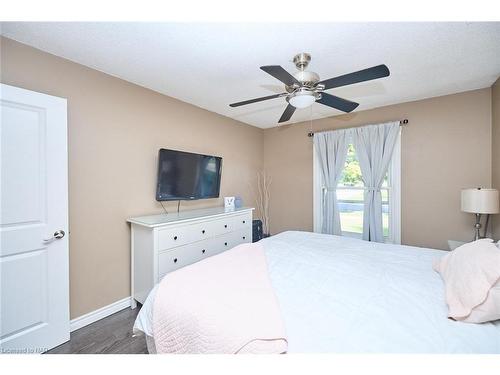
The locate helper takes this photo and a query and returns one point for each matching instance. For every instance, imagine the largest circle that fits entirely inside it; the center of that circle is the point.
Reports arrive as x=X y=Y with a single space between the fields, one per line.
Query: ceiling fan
x=303 y=88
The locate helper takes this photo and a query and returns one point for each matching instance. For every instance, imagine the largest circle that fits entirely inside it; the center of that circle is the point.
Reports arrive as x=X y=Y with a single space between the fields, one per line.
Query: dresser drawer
x=185 y=234
x=243 y=222
x=241 y=236
x=230 y=240
x=212 y=228
x=173 y=237
x=223 y=226
x=181 y=256
x=231 y=224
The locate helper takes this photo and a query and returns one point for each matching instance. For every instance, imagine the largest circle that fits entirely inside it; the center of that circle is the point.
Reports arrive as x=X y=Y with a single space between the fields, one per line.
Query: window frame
x=394 y=189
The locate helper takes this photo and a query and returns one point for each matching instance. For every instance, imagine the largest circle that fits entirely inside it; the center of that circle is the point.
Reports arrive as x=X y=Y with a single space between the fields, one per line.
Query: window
x=350 y=197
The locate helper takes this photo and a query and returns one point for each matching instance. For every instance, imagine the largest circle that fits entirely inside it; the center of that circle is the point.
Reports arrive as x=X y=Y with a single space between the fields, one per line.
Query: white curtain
x=331 y=150
x=374 y=146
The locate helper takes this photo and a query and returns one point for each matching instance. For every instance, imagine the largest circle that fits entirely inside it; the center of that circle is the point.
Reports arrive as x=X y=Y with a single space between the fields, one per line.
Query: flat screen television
x=187 y=176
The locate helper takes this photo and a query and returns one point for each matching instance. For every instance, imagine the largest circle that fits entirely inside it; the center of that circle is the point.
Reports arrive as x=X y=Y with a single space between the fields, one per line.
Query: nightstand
x=452 y=244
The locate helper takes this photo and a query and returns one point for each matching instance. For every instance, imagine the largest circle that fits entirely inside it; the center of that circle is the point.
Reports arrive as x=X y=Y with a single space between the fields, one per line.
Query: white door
x=34 y=282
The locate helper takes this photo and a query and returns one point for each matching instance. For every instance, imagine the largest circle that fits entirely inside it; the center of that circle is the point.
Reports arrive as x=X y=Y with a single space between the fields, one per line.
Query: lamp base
x=477 y=227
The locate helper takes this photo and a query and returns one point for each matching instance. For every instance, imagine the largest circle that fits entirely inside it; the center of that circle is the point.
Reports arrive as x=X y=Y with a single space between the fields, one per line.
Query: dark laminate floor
x=111 y=335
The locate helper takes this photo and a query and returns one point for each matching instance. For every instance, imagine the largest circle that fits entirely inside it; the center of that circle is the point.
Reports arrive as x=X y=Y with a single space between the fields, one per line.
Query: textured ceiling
x=212 y=65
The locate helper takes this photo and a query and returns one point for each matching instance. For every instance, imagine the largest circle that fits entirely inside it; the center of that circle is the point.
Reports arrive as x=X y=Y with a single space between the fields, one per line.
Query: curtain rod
x=401 y=123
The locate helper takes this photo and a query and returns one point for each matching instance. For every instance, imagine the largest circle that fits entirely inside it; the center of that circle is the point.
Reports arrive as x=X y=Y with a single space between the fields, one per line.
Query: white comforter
x=339 y=294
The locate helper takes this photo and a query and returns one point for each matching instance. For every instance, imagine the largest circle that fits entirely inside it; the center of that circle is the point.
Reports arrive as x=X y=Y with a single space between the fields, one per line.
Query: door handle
x=58 y=234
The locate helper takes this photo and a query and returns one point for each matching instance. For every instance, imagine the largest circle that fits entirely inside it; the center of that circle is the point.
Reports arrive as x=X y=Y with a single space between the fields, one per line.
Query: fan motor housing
x=307 y=79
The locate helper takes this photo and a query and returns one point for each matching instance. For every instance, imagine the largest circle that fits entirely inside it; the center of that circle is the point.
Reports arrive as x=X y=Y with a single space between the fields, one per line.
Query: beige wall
x=445 y=147
x=115 y=131
x=495 y=145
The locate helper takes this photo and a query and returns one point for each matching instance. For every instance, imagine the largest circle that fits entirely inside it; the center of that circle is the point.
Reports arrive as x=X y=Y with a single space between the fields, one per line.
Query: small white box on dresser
x=164 y=243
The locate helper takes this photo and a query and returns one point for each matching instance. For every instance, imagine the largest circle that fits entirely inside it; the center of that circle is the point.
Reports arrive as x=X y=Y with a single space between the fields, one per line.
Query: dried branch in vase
x=262 y=198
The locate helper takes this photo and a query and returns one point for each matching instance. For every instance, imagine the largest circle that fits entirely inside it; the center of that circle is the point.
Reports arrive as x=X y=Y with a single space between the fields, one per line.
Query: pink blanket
x=470 y=273
x=223 y=304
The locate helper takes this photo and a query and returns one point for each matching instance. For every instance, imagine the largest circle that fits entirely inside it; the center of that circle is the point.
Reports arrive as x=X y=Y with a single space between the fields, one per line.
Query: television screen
x=186 y=176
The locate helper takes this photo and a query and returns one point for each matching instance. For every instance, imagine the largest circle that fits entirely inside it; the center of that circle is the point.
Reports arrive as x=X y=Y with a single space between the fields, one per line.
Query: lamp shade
x=480 y=201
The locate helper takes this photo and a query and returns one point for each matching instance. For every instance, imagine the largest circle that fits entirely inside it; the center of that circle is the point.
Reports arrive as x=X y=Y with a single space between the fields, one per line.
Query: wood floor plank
x=111 y=335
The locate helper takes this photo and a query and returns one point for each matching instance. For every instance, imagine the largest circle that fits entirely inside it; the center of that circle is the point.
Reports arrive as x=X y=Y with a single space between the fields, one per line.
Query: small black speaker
x=256 y=230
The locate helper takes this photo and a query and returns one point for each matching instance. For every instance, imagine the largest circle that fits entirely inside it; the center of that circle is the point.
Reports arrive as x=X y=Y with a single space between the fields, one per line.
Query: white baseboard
x=98 y=314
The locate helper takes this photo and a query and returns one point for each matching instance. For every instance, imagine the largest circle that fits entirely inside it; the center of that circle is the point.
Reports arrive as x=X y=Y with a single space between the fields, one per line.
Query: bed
x=344 y=295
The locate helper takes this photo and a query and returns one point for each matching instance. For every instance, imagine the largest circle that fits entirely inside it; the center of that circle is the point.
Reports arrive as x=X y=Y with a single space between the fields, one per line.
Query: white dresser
x=163 y=243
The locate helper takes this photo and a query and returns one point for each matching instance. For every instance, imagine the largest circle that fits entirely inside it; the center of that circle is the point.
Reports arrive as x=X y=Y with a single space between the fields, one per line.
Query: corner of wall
x=495 y=149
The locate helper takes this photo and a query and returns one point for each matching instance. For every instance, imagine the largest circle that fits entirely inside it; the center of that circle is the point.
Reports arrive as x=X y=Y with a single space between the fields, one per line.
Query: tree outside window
x=350 y=197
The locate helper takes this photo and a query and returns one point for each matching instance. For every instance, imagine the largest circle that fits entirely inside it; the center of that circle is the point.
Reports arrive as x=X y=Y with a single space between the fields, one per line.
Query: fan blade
x=375 y=72
x=289 y=110
x=257 y=100
x=337 y=103
x=279 y=73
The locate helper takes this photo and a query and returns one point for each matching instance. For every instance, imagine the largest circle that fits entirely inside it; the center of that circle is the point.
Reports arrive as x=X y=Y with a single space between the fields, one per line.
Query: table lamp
x=480 y=201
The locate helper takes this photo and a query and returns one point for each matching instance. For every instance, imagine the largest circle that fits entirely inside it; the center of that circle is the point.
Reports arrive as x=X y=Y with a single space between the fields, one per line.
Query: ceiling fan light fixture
x=302 y=99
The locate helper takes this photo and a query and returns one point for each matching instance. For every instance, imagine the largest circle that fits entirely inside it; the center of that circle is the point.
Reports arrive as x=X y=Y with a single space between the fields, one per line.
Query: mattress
x=344 y=295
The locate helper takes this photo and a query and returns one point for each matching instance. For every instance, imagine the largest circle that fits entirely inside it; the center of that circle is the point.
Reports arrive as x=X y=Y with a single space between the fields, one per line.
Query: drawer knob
x=225 y=225
x=175 y=260
x=244 y=237
x=203 y=231
x=225 y=243
x=244 y=221
x=175 y=238
x=203 y=251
